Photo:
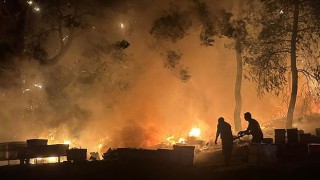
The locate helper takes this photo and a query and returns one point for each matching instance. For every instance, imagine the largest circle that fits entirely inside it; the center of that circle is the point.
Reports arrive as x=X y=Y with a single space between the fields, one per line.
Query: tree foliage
x=173 y=25
x=210 y=25
x=287 y=41
x=213 y=24
x=63 y=20
x=271 y=49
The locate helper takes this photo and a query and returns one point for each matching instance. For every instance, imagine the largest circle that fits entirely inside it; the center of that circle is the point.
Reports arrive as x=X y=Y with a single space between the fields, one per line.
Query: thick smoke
x=125 y=98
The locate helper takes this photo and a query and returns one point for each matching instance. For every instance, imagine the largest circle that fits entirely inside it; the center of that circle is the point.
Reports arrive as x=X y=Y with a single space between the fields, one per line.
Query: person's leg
x=228 y=156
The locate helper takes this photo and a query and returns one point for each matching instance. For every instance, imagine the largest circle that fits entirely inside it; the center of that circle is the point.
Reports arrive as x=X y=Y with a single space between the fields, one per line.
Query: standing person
x=224 y=130
x=253 y=129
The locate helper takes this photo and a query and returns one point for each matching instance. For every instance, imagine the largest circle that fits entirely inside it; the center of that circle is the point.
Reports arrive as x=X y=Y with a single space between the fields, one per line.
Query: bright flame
x=195 y=132
x=52 y=159
x=67 y=142
x=29 y=2
x=182 y=140
x=100 y=146
x=171 y=140
x=41 y=160
x=37 y=160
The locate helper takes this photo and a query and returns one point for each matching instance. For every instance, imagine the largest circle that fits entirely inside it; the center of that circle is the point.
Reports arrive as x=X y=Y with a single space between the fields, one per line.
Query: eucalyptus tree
x=218 y=24
x=287 y=41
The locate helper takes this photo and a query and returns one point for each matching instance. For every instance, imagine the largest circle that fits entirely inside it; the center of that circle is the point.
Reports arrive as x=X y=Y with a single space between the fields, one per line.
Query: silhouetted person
x=224 y=130
x=253 y=129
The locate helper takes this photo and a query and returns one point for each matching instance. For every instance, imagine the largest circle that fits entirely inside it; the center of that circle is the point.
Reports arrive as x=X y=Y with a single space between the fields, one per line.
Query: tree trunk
x=237 y=93
x=294 y=71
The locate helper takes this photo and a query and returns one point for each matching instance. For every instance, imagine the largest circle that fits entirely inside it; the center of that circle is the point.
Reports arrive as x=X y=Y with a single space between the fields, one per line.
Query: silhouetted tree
x=61 y=20
x=233 y=29
x=172 y=26
x=44 y=30
x=213 y=25
x=289 y=30
x=28 y=24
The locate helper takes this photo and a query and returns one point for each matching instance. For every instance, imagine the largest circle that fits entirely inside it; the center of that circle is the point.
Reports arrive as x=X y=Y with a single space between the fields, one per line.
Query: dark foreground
x=140 y=170
x=206 y=165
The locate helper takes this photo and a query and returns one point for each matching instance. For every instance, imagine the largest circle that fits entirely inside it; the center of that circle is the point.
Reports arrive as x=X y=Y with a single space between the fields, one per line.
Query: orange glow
x=52 y=159
x=195 y=132
x=182 y=140
x=100 y=146
x=44 y=160
x=67 y=142
x=122 y=25
x=171 y=140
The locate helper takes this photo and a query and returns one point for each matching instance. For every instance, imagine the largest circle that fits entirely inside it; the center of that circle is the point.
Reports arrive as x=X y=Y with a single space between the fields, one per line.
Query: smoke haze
x=127 y=98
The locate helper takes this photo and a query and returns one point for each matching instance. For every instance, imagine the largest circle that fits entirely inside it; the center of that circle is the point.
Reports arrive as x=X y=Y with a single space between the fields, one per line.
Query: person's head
x=247 y=116
x=220 y=120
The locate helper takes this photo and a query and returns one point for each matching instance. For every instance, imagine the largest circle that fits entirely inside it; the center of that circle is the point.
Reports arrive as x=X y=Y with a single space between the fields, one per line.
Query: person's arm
x=217 y=134
x=245 y=132
x=249 y=129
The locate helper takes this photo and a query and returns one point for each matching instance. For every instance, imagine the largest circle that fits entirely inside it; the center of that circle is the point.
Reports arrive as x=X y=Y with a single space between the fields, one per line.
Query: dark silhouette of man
x=253 y=129
x=224 y=130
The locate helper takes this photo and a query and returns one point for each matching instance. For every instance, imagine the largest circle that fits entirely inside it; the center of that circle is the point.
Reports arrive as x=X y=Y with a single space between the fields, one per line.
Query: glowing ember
x=38 y=85
x=195 y=132
x=25 y=90
x=65 y=38
x=121 y=25
x=37 y=9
